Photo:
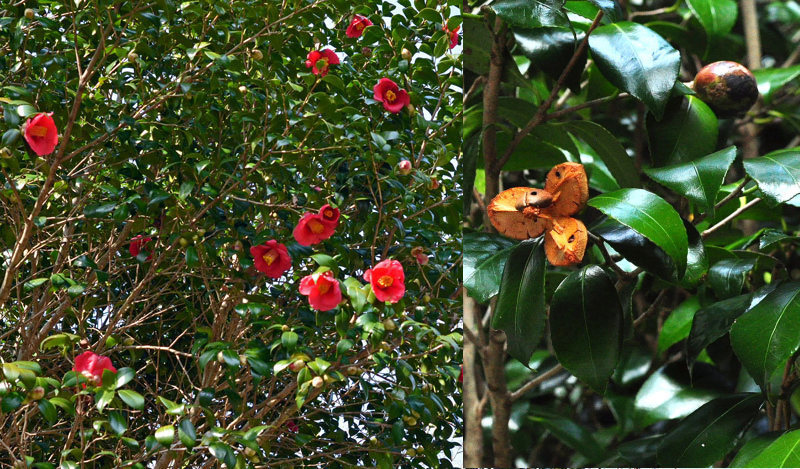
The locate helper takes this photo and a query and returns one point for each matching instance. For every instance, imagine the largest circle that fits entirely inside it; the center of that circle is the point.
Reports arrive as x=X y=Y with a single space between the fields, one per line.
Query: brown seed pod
x=728 y=88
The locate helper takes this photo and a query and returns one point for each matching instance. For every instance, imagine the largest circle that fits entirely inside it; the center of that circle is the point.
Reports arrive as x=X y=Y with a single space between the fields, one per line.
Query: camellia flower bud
x=37 y=393
x=404 y=167
x=317 y=381
x=405 y=54
x=297 y=365
x=257 y=54
x=29 y=13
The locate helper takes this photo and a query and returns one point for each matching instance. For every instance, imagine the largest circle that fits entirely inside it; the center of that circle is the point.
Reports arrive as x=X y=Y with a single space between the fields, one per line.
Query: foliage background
x=682 y=353
x=174 y=127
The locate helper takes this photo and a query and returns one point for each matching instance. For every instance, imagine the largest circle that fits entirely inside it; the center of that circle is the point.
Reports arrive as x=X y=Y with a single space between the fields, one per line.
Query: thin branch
x=516 y=395
x=541 y=112
x=730 y=217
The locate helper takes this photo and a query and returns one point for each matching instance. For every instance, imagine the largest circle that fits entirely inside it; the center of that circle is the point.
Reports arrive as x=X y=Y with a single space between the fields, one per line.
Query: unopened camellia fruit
x=728 y=88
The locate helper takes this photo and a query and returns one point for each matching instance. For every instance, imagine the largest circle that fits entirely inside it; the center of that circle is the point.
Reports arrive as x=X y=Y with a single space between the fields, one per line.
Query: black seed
x=571 y=239
x=558 y=174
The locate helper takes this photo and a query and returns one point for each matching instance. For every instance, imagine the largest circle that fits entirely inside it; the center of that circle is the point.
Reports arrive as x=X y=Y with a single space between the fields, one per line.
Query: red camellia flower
x=453 y=35
x=393 y=98
x=329 y=215
x=41 y=134
x=404 y=167
x=388 y=280
x=314 y=227
x=137 y=244
x=292 y=426
x=357 y=26
x=322 y=290
x=271 y=258
x=319 y=61
x=461 y=376
x=91 y=365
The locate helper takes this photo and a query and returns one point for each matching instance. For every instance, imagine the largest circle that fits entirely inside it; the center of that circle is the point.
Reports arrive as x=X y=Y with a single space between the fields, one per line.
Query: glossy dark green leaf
x=132 y=398
x=48 y=410
x=696 y=259
x=670 y=393
x=769 y=333
x=770 y=80
x=550 y=50
x=586 y=326
x=753 y=448
x=531 y=153
x=770 y=237
x=783 y=452
x=187 y=433
x=484 y=258
x=649 y=215
x=641 y=451
x=727 y=276
x=165 y=435
x=118 y=422
x=569 y=432
x=608 y=149
x=716 y=16
x=777 y=174
x=678 y=324
x=224 y=453
x=712 y=322
x=531 y=13
x=637 y=60
x=636 y=248
x=698 y=180
x=687 y=131
x=520 y=309
x=710 y=432
x=611 y=8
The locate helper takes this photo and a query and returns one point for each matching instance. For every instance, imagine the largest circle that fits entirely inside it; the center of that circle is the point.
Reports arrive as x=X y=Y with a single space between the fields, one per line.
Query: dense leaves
x=190 y=136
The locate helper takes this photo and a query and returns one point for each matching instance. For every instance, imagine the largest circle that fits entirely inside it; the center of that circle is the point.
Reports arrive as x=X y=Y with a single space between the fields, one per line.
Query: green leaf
x=678 y=324
x=531 y=13
x=637 y=60
x=586 y=326
x=670 y=393
x=124 y=376
x=710 y=432
x=550 y=49
x=118 y=422
x=520 y=309
x=224 y=453
x=354 y=290
x=192 y=259
x=10 y=402
x=767 y=335
x=570 y=433
x=716 y=16
x=187 y=433
x=687 y=131
x=770 y=80
x=10 y=137
x=777 y=174
x=712 y=322
x=48 y=410
x=133 y=399
x=727 y=276
x=165 y=435
x=636 y=248
x=289 y=340
x=650 y=216
x=698 y=181
x=485 y=256
x=609 y=150
x=696 y=259
x=103 y=398
x=783 y=452
x=753 y=448
x=611 y=8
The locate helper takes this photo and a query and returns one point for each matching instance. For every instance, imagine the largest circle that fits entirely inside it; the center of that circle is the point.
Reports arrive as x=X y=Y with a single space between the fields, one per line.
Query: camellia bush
x=230 y=234
x=631 y=197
